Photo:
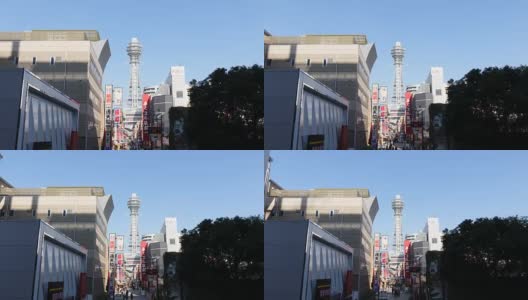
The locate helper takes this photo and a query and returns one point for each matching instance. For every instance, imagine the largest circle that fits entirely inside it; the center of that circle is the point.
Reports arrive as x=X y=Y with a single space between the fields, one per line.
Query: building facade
x=169 y=229
x=347 y=214
x=178 y=86
x=302 y=113
x=301 y=260
x=35 y=115
x=72 y=61
x=341 y=62
x=59 y=263
x=81 y=213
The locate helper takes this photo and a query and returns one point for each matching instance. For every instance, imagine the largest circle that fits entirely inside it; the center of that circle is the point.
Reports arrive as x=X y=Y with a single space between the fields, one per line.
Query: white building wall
x=438 y=86
x=434 y=235
x=172 y=236
x=179 y=87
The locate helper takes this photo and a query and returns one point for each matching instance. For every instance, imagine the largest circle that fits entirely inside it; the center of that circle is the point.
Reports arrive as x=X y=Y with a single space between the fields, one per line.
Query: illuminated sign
x=112 y=242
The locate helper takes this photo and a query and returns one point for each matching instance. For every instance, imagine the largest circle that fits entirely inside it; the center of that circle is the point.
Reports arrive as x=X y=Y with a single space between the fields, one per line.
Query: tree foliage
x=486 y=257
x=227 y=109
x=224 y=258
x=489 y=109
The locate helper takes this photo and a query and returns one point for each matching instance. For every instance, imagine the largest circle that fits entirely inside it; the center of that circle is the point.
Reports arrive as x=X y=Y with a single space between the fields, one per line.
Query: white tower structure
x=397 y=206
x=134 y=50
x=133 y=204
x=397 y=54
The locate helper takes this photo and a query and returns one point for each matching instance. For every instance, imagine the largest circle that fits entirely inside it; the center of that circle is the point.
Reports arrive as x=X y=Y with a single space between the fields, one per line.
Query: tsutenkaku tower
x=397 y=206
x=397 y=54
x=133 y=204
x=134 y=50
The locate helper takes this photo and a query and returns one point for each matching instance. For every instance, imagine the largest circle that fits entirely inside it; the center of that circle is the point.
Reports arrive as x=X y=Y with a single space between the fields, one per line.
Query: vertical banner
x=120 y=241
x=112 y=242
x=376 y=242
x=108 y=117
x=145 y=119
x=143 y=247
x=118 y=96
x=384 y=243
x=408 y=121
x=375 y=91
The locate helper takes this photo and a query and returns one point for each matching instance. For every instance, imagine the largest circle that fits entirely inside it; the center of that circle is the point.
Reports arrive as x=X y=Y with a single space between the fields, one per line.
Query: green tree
x=489 y=109
x=486 y=259
x=227 y=109
x=224 y=259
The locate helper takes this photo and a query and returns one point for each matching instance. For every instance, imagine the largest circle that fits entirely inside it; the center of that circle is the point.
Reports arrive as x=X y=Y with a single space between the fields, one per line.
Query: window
x=292 y=62
x=268 y=62
x=33 y=212
x=281 y=213
x=52 y=60
x=272 y=213
x=317 y=213
x=34 y=60
x=308 y=62
x=324 y=62
x=435 y=240
x=172 y=241
x=49 y=213
x=11 y=213
x=179 y=94
x=64 y=213
x=438 y=92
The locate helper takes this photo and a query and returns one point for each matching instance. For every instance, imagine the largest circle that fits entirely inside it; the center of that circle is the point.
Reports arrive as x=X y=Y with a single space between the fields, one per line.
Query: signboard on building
x=315 y=142
x=108 y=95
x=112 y=243
x=120 y=242
x=143 y=250
x=145 y=118
x=376 y=242
x=120 y=259
x=108 y=117
x=384 y=243
x=55 y=290
x=375 y=94
x=408 y=117
x=383 y=95
x=117 y=115
x=118 y=96
x=323 y=289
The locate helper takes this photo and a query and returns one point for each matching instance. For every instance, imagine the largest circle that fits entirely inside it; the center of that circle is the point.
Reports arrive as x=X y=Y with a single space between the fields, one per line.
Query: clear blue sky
x=458 y=35
x=201 y=35
x=189 y=185
x=450 y=185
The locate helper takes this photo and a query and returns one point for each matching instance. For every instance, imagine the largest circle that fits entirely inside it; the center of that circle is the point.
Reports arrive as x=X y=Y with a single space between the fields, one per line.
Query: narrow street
x=137 y=296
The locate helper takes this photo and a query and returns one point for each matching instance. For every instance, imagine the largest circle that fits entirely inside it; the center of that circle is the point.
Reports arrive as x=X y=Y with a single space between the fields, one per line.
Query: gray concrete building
x=301 y=111
x=341 y=62
x=159 y=119
x=34 y=114
x=38 y=260
x=347 y=214
x=81 y=213
x=73 y=61
x=299 y=256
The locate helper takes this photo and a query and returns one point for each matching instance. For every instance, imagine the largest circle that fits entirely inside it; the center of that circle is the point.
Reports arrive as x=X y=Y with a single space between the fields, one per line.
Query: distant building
x=438 y=87
x=172 y=236
x=72 y=61
x=301 y=112
x=341 y=62
x=34 y=114
x=81 y=213
x=178 y=86
x=433 y=234
x=348 y=214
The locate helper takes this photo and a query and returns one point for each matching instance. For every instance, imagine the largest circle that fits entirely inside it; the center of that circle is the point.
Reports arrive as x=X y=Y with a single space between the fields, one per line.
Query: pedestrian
x=126 y=295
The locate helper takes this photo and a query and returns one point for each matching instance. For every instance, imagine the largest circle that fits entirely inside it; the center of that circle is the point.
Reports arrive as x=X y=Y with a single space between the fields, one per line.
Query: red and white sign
x=375 y=91
x=145 y=119
x=120 y=259
x=376 y=242
x=143 y=250
x=384 y=243
x=118 y=96
x=120 y=242
x=112 y=242
x=117 y=115
x=108 y=98
x=408 y=117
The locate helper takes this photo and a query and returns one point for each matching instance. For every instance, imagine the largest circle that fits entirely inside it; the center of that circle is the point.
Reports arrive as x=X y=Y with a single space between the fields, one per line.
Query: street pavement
x=402 y=296
x=137 y=296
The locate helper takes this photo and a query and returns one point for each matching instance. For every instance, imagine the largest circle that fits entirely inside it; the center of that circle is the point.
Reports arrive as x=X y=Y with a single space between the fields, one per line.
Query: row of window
x=11 y=213
x=308 y=62
x=281 y=213
x=34 y=61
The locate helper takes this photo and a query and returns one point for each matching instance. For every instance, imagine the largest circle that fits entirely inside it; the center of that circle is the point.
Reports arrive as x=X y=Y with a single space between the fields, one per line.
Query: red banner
x=145 y=119
x=408 y=117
